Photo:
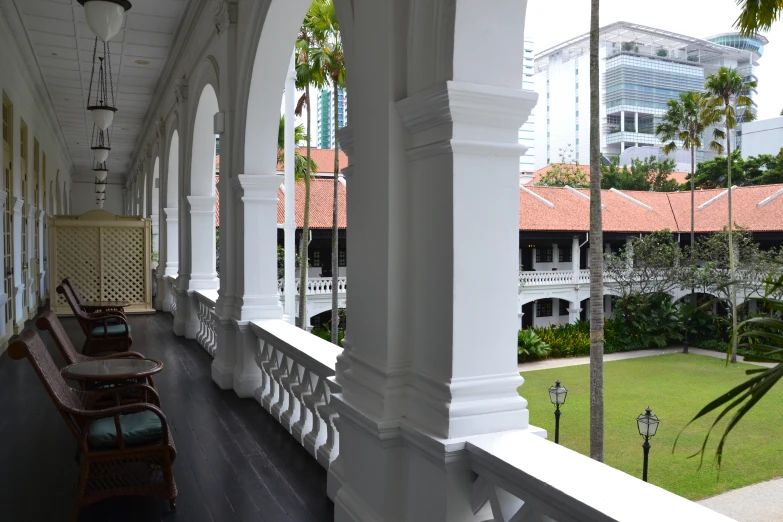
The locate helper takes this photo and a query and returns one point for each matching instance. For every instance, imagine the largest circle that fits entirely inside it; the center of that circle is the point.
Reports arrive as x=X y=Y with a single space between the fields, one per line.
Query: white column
x=636 y=122
x=42 y=217
x=573 y=313
x=290 y=196
x=172 y=241
x=622 y=146
x=155 y=218
x=32 y=265
x=5 y=297
x=19 y=284
x=575 y=259
x=629 y=251
x=622 y=121
x=555 y=256
x=257 y=295
x=202 y=274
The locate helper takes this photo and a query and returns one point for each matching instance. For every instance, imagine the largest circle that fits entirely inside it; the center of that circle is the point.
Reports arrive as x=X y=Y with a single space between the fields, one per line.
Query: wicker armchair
x=102 y=335
x=48 y=321
x=81 y=302
x=126 y=449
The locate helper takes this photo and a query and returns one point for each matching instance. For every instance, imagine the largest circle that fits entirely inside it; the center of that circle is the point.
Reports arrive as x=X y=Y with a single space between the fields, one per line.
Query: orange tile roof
x=323 y=158
x=669 y=210
x=321 y=199
x=679 y=177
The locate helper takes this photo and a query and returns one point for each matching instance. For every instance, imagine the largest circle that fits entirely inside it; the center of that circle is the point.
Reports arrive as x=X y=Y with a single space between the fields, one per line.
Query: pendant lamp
x=105 y=17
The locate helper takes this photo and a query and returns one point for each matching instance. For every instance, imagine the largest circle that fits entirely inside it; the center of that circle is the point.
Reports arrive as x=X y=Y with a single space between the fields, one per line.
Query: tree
x=684 y=122
x=764 y=169
x=596 y=257
x=306 y=76
x=647 y=265
x=648 y=174
x=567 y=172
x=726 y=101
x=328 y=56
x=758 y=15
x=300 y=162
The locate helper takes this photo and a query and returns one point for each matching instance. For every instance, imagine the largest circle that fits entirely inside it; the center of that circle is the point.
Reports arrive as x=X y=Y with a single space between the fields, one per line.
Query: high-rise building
x=527 y=133
x=326 y=130
x=641 y=68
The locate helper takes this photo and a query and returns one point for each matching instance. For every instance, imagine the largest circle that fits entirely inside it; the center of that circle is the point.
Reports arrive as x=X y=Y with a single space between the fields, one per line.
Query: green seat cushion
x=139 y=428
x=115 y=330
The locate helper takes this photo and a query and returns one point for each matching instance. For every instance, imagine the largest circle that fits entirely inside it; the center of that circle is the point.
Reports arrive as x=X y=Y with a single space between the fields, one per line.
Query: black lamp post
x=557 y=394
x=648 y=425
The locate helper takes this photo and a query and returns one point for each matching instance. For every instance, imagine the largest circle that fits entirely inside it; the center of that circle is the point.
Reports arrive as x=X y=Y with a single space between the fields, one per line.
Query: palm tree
x=684 y=122
x=758 y=15
x=726 y=93
x=300 y=162
x=306 y=76
x=596 y=255
x=329 y=58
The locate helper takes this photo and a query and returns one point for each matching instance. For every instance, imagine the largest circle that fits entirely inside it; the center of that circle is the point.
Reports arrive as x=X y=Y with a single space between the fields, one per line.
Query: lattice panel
x=123 y=264
x=78 y=252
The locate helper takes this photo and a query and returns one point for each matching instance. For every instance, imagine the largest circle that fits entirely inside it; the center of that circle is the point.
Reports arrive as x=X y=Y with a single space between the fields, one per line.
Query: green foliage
x=647 y=174
x=764 y=169
x=325 y=333
x=646 y=321
x=300 y=162
x=758 y=15
x=630 y=47
x=662 y=52
x=684 y=121
x=566 y=172
x=530 y=346
x=566 y=340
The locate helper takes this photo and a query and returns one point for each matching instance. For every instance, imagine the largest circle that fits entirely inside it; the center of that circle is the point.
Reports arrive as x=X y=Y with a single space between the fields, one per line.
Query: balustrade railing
x=297 y=385
x=554 y=277
x=317 y=285
x=170 y=281
x=204 y=301
x=521 y=476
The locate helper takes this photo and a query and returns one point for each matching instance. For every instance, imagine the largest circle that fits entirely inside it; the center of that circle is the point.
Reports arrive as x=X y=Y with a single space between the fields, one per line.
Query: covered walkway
x=235 y=463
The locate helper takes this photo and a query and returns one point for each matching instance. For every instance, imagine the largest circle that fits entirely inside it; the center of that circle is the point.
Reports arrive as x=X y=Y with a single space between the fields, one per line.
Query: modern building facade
x=762 y=137
x=641 y=69
x=527 y=133
x=326 y=130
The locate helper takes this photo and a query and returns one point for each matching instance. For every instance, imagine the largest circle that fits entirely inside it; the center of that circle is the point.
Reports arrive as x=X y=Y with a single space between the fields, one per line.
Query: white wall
x=84 y=198
x=762 y=137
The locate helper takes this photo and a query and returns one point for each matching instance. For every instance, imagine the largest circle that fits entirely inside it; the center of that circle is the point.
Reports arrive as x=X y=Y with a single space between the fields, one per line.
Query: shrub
x=530 y=347
x=326 y=334
x=566 y=340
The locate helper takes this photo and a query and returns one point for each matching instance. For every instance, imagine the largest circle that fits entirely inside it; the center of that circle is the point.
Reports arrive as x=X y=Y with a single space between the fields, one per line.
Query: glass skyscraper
x=325 y=125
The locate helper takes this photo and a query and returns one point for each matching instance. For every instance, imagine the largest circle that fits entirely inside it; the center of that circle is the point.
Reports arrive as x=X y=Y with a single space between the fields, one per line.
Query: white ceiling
x=63 y=46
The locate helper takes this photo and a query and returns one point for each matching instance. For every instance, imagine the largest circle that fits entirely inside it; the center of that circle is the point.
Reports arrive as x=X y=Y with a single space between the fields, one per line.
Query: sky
x=697 y=18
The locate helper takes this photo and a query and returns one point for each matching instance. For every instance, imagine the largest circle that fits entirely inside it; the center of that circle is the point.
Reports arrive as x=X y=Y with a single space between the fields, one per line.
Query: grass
x=676 y=387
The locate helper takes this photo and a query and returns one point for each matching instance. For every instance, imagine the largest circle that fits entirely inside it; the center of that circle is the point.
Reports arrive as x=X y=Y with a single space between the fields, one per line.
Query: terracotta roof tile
x=321 y=198
x=745 y=210
x=323 y=158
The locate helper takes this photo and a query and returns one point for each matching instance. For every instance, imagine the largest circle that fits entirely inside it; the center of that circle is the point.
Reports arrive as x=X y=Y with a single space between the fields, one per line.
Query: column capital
x=202 y=203
x=257 y=187
x=171 y=213
x=345 y=139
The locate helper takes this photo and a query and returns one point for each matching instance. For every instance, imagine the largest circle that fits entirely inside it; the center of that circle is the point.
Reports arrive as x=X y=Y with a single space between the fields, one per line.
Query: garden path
x=576 y=361
x=760 y=502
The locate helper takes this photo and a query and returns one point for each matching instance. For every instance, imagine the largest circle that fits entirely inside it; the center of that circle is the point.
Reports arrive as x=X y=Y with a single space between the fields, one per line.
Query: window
x=316 y=258
x=544 y=308
x=577 y=85
x=563 y=307
x=341 y=258
x=577 y=99
x=577 y=126
x=564 y=255
x=577 y=114
x=544 y=255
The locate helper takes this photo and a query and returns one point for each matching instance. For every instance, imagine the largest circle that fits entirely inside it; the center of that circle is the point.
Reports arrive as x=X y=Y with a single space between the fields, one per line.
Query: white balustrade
x=554 y=277
x=205 y=311
x=297 y=385
x=318 y=285
x=522 y=477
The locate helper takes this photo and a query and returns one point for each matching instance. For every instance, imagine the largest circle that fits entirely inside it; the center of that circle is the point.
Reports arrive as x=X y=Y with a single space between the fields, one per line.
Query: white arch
x=202 y=163
x=144 y=205
x=172 y=173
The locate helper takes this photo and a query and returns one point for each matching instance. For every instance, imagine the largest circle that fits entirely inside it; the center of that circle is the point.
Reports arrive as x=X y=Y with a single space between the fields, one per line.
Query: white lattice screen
x=108 y=257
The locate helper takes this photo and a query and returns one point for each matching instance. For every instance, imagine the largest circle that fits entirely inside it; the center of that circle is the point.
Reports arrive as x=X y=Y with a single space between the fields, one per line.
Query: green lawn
x=676 y=387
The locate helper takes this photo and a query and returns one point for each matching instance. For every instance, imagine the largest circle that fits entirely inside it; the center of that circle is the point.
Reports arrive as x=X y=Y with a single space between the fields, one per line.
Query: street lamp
x=557 y=394
x=648 y=425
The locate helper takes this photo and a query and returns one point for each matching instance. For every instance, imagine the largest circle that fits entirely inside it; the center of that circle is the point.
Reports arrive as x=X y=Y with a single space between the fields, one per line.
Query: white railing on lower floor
x=297 y=385
x=317 y=285
x=521 y=477
x=205 y=301
x=554 y=277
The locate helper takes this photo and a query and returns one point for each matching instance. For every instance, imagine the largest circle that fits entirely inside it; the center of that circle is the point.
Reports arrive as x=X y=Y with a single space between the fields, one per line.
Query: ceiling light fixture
x=141 y=62
x=102 y=111
x=101 y=144
x=101 y=172
x=105 y=17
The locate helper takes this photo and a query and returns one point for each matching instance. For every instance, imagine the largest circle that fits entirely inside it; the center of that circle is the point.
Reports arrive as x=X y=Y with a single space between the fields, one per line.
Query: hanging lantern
x=101 y=172
x=100 y=203
x=105 y=17
x=100 y=188
x=101 y=144
x=103 y=108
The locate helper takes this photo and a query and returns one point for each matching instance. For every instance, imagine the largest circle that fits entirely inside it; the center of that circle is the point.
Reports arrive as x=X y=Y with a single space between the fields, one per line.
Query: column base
x=247 y=376
x=222 y=376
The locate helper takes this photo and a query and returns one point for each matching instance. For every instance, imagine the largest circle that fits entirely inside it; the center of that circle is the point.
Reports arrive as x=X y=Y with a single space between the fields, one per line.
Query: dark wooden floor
x=234 y=463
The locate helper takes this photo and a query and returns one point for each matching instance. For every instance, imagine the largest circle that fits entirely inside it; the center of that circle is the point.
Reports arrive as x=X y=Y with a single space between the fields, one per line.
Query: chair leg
x=173 y=503
x=77 y=498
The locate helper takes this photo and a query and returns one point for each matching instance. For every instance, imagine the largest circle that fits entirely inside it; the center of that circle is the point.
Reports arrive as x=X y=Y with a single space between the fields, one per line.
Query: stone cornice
x=257 y=187
x=202 y=203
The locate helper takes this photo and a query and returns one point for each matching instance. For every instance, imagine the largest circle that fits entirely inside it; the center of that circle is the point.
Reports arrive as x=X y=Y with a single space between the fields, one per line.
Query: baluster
x=270 y=366
x=303 y=391
x=200 y=315
x=213 y=320
x=317 y=436
x=291 y=413
x=281 y=402
x=329 y=450
x=263 y=357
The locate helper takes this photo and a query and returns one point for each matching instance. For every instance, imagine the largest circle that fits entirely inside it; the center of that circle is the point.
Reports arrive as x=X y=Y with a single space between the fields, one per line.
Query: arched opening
x=155 y=212
x=59 y=199
x=52 y=209
x=172 y=207
x=201 y=192
x=144 y=205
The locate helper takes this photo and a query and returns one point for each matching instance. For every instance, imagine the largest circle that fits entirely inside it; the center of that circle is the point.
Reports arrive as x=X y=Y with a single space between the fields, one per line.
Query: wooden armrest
x=123 y=389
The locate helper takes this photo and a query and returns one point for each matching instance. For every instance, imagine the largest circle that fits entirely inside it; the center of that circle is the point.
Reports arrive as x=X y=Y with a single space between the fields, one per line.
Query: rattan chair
x=81 y=302
x=126 y=449
x=101 y=334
